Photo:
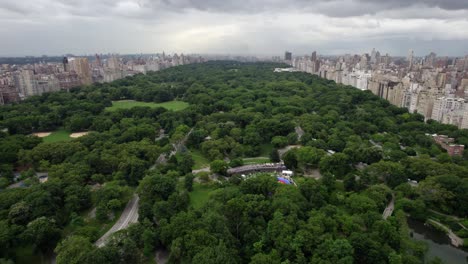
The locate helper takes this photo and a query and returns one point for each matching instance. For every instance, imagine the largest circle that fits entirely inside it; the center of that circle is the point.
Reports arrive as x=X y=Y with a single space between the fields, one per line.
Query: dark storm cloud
x=333 y=6
x=232 y=26
x=444 y=4
x=14 y=7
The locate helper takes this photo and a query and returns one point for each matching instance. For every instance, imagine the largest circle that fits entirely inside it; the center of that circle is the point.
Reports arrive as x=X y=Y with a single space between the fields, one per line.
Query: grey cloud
x=335 y=6
x=152 y=8
x=444 y=4
x=14 y=8
x=249 y=26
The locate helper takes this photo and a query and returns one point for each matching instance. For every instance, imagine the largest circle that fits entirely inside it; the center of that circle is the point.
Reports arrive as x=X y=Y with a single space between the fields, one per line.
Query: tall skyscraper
x=466 y=63
x=410 y=58
x=66 y=67
x=81 y=67
x=373 y=57
x=25 y=83
x=113 y=62
x=314 y=56
x=98 y=61
x=430 y=60
x=288 y=56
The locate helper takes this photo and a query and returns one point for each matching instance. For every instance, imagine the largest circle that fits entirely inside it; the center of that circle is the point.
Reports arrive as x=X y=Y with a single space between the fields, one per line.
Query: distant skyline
x=251 y=27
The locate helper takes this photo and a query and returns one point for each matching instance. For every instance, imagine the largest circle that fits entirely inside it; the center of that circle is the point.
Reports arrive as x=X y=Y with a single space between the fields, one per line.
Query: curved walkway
x=206 y=169
x=389 y=209
x=128 y=216
x=454 y=239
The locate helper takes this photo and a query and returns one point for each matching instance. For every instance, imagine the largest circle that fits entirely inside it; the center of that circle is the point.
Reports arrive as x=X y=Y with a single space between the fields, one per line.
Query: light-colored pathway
x=128 y=216
x=389 y=209
x=454 y=239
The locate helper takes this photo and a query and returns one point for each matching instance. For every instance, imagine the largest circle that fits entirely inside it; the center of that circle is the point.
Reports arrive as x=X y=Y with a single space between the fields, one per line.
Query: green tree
x=155 y=186
x=43 y=232
x=219 y=166
x=73 y=250
x=290 y=159
x=336 y=164
x=20 y=213
x=188 y=182
x=274 y=156
x=391 y=173
x=217 y=254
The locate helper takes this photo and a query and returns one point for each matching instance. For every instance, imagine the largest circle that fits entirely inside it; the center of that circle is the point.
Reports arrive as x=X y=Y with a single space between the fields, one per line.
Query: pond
x=438 y=242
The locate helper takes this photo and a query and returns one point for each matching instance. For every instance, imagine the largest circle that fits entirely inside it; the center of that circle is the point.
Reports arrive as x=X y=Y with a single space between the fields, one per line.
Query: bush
x=236 y=163
x=188 y=182
x=462 y=233
x=204 y=176
x=90 y=232
x=114 y=204
x=101 y=213
x=219 y=166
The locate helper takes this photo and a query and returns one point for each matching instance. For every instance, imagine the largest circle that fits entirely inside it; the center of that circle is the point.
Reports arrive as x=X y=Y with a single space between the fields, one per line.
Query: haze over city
x=55 y=27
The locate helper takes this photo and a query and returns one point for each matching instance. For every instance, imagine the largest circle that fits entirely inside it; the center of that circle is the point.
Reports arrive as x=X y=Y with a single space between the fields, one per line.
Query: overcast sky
x=55 y=27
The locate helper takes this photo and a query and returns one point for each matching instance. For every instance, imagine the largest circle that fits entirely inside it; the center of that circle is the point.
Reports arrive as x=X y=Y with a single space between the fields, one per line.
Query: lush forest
x=364 y=149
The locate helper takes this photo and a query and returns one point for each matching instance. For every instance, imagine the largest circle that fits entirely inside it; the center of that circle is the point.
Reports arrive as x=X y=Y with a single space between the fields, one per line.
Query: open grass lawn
x=200 y=160
x=200 y=194
x=258 y=160
x=57 y=136
x=127 y=104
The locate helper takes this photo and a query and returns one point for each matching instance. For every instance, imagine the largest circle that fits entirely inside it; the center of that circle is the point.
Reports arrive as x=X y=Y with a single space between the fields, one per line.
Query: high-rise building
x=373 y=58
x=466 y=64
x=314 y=56
x=81 y=67
x=24 y=82
x=288 y=56
x=98 y=61
x=429 y=60
x=363 y=63
x=113 y=63
x=66 y=67
x=410 y=58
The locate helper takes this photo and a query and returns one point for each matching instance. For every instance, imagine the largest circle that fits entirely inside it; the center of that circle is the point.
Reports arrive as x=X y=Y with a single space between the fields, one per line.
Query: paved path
x=16 y=185
x=389 y=209
x=454 y=239
x=163 y=157
x=299 y=132
x=128 y=216
x=162 y=256
x=282 y=151
x=207 y=169
x=455 y=218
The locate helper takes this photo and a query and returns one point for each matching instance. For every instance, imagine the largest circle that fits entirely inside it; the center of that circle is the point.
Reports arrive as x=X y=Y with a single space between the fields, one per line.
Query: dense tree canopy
x=363 y=148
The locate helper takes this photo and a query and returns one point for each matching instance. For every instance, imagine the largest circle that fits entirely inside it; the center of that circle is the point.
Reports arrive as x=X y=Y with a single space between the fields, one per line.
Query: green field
x=200 y=194
x=57 y=136
x=258 y=160
x=200 y=160
x=127 y=104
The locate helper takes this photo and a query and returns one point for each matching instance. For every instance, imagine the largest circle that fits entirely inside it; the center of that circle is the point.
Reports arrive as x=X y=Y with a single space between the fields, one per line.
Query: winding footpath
x=454 y=239
x=389 y=209
x=128 y=216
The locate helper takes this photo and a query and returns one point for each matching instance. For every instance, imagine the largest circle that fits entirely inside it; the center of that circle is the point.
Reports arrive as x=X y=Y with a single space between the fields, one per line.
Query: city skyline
x=54 y=27
x=416 y=53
